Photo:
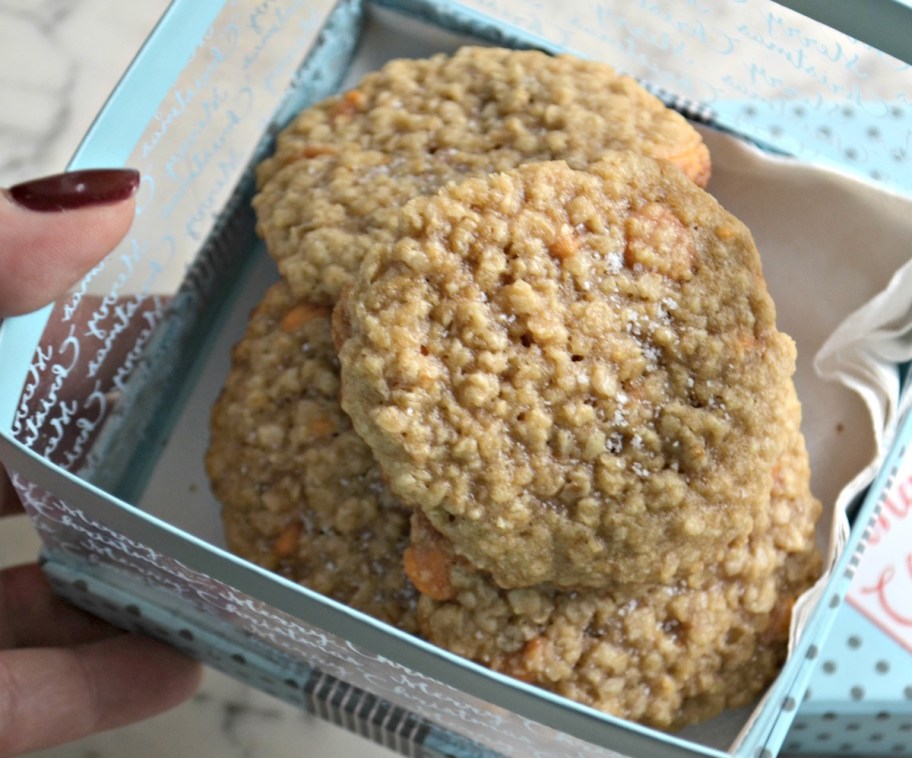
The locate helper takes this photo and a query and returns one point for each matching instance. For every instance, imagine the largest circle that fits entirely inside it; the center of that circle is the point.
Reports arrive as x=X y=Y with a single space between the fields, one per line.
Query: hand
x=63 y=673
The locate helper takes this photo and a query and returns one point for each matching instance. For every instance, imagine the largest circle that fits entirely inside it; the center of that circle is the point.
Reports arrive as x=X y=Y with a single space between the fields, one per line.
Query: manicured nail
x=76 y=189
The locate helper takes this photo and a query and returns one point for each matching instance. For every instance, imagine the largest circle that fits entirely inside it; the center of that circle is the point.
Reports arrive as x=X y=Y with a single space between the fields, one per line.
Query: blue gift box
x=104 y=396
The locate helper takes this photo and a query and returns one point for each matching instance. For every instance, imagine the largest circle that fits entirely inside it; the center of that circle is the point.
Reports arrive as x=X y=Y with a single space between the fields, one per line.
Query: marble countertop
x=60 y=59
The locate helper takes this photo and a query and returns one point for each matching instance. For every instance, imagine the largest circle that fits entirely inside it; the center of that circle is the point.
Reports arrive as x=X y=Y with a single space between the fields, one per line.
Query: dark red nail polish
x=76 y=189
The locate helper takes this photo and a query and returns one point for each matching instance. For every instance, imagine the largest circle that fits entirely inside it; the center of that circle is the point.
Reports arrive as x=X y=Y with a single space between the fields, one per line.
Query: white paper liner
x=865 y=349
x=864 y=354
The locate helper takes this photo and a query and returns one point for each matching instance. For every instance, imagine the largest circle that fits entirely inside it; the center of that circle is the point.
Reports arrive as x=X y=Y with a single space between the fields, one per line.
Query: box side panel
x=758 y=69
x=139 y=588
x=884 y=24
x=144 y=611
x=113 y=351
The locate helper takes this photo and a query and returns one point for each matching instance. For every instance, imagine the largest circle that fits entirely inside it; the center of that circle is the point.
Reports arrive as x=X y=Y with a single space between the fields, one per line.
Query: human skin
x=63 y=673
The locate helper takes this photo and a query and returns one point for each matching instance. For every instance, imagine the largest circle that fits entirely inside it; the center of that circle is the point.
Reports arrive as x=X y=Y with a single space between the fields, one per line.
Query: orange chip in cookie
x=300 y=492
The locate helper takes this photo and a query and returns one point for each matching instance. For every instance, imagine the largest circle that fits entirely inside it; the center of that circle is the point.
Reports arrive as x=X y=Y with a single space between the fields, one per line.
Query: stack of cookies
x=520 y=388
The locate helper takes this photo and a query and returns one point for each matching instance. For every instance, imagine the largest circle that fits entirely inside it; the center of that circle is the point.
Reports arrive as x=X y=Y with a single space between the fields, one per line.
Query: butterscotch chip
x=570 y=373
x=345 y=166
x=300 y=491
x=663 y=655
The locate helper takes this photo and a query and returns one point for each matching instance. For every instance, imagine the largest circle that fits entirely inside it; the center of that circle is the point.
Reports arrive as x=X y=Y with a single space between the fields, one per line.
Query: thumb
x=53 y=230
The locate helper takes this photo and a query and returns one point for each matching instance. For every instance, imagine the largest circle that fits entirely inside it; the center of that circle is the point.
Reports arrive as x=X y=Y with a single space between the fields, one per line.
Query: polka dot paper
x=859 y=701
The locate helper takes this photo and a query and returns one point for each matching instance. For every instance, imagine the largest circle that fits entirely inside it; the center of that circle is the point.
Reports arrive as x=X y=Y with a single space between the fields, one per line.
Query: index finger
x=53 y=230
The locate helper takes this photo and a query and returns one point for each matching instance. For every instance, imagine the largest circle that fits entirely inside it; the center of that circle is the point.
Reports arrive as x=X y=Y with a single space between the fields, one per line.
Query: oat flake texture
x=344 y=167
x=662 y=655
x=520 y=390
x=576 y=376
x=301 y=494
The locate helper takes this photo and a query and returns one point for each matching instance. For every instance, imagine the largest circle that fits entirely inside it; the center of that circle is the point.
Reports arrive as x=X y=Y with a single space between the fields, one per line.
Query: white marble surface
x=58 y=61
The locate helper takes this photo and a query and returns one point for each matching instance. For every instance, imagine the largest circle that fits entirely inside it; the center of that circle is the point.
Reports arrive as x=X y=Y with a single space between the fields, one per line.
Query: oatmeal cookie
x=663 y=655
x=301 y=493
x=345 y=166
x=575 y=375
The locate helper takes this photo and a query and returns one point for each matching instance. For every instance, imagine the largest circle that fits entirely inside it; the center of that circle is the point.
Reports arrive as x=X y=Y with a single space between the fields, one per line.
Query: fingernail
x=76 y=189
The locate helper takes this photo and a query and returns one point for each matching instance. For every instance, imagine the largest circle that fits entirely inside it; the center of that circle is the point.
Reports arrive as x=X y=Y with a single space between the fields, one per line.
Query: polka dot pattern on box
x=859 y=701
x=288 y=679
x=868 y=139
x=126 y=611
